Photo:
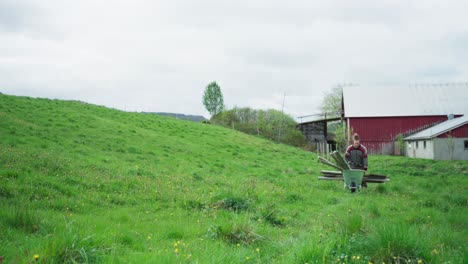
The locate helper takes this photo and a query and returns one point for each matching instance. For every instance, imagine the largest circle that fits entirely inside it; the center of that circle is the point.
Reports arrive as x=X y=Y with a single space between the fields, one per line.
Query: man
x=356 y=156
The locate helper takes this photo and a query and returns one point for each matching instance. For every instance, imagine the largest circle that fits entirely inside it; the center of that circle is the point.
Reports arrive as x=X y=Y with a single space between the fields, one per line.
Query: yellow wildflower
x=36 y=257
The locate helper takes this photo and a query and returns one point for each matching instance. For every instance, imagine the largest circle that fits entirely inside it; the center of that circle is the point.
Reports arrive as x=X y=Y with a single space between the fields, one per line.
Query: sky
x=159 y=56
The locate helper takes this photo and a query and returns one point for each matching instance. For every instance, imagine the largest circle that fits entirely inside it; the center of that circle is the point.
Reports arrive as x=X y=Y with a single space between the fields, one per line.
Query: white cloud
x=159 y=55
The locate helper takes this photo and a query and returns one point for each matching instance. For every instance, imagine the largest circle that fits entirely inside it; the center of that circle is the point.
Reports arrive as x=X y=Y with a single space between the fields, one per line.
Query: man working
x=356 y=155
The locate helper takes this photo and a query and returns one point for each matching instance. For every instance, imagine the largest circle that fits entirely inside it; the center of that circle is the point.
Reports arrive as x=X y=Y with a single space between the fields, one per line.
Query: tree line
x=270 y=124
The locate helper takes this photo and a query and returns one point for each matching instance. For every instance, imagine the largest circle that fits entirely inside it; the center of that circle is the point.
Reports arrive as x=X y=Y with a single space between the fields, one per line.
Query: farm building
x=445 y=141
x=379 y=115
x=316 y=132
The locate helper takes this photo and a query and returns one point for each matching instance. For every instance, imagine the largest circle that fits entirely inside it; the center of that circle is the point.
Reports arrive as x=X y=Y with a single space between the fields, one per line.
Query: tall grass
x=86 y=184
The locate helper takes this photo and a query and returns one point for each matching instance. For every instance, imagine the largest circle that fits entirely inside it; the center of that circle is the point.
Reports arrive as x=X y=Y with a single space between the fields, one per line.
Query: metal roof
x=416 y=100
x=439 y=129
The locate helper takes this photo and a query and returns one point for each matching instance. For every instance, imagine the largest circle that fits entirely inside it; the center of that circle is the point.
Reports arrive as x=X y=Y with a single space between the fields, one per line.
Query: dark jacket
x=357 y=157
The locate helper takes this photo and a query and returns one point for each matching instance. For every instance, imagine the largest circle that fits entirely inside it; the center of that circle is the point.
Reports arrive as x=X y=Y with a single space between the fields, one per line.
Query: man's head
x=356 y=141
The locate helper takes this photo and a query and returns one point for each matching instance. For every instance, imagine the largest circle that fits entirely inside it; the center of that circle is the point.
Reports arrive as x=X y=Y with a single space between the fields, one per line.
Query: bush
x=271 y=124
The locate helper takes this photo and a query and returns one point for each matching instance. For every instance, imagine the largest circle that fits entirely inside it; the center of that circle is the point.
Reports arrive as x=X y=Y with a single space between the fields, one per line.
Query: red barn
x=379 y=115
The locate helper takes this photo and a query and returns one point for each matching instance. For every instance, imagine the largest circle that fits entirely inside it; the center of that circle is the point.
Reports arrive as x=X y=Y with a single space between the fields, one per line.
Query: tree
x=263 y=123
x=213 y=99
x=331 y=104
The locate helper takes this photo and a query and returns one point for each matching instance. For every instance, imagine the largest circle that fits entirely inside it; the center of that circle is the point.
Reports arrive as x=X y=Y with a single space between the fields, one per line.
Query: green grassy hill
x=83 y=183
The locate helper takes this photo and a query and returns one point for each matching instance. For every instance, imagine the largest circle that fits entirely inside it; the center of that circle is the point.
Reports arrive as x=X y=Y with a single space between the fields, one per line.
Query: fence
x=323 y=149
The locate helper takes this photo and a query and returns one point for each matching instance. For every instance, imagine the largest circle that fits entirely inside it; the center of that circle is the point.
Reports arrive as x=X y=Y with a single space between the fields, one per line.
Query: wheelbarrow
x=353 y=179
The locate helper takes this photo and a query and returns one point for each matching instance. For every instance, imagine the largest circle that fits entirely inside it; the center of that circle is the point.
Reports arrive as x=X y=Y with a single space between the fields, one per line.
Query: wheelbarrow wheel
x=353 y=187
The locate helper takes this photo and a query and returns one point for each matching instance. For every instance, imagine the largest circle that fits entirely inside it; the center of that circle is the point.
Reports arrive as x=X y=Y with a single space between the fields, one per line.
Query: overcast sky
x=160 y=55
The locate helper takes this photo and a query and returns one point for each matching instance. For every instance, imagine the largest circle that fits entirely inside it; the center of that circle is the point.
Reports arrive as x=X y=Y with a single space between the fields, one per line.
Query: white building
x=445 y=141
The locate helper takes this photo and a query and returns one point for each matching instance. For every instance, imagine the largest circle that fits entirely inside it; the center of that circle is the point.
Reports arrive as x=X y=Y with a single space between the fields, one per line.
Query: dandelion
x=247 y=258
x=36 y=257
x=358 y=257
x=149 y=238
x=176 y=250
x=435 y=251
x=258 y=250
x=420 y=261
x=238 y=244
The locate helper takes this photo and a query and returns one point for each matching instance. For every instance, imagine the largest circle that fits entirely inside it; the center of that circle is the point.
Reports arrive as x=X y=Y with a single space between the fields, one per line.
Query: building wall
x=314 y=131
x=416 y=149
x=378 y=133
x=460 y=132
x=450 y=149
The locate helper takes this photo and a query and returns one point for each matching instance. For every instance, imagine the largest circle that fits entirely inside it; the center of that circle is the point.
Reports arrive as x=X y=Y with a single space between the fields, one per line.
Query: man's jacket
x=357 y=157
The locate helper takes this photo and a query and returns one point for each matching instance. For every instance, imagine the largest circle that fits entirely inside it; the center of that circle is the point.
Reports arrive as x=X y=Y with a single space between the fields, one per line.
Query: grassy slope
x=89 y=184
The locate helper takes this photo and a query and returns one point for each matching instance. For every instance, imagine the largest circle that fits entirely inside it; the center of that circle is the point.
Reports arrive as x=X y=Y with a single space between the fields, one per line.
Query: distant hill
x=195 y=118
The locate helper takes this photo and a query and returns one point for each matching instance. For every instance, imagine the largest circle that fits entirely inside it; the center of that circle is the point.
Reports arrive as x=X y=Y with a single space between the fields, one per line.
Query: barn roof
x=440 y=129
x=418 y=100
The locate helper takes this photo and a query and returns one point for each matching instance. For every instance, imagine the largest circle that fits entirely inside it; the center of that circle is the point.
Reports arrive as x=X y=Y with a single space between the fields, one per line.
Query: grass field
x=83 y=183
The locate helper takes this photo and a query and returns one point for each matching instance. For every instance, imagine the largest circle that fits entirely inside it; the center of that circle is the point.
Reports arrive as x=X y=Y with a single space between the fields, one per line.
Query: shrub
x=271 y=124
x=235 y=204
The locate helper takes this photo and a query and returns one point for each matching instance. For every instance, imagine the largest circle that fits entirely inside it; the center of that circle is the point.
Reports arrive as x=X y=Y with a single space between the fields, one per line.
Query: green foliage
x=22 y=217
x=86 y=184
x=213 y=99
x=68 y=246
x=400 y=144
x=235 y=204
x=331 y=103
x=395 y=242
x=341 y=137
x=271 y=124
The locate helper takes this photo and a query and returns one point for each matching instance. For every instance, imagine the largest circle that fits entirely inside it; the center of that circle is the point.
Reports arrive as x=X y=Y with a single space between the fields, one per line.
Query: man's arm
x=347 y=155
x=364 y=157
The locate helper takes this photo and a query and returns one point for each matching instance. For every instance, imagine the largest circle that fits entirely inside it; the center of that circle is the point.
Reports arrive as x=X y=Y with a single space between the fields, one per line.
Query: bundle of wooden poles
x=340 y=164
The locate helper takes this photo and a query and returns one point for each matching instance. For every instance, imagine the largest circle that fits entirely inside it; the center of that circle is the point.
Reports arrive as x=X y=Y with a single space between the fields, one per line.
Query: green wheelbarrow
x=353 y=179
